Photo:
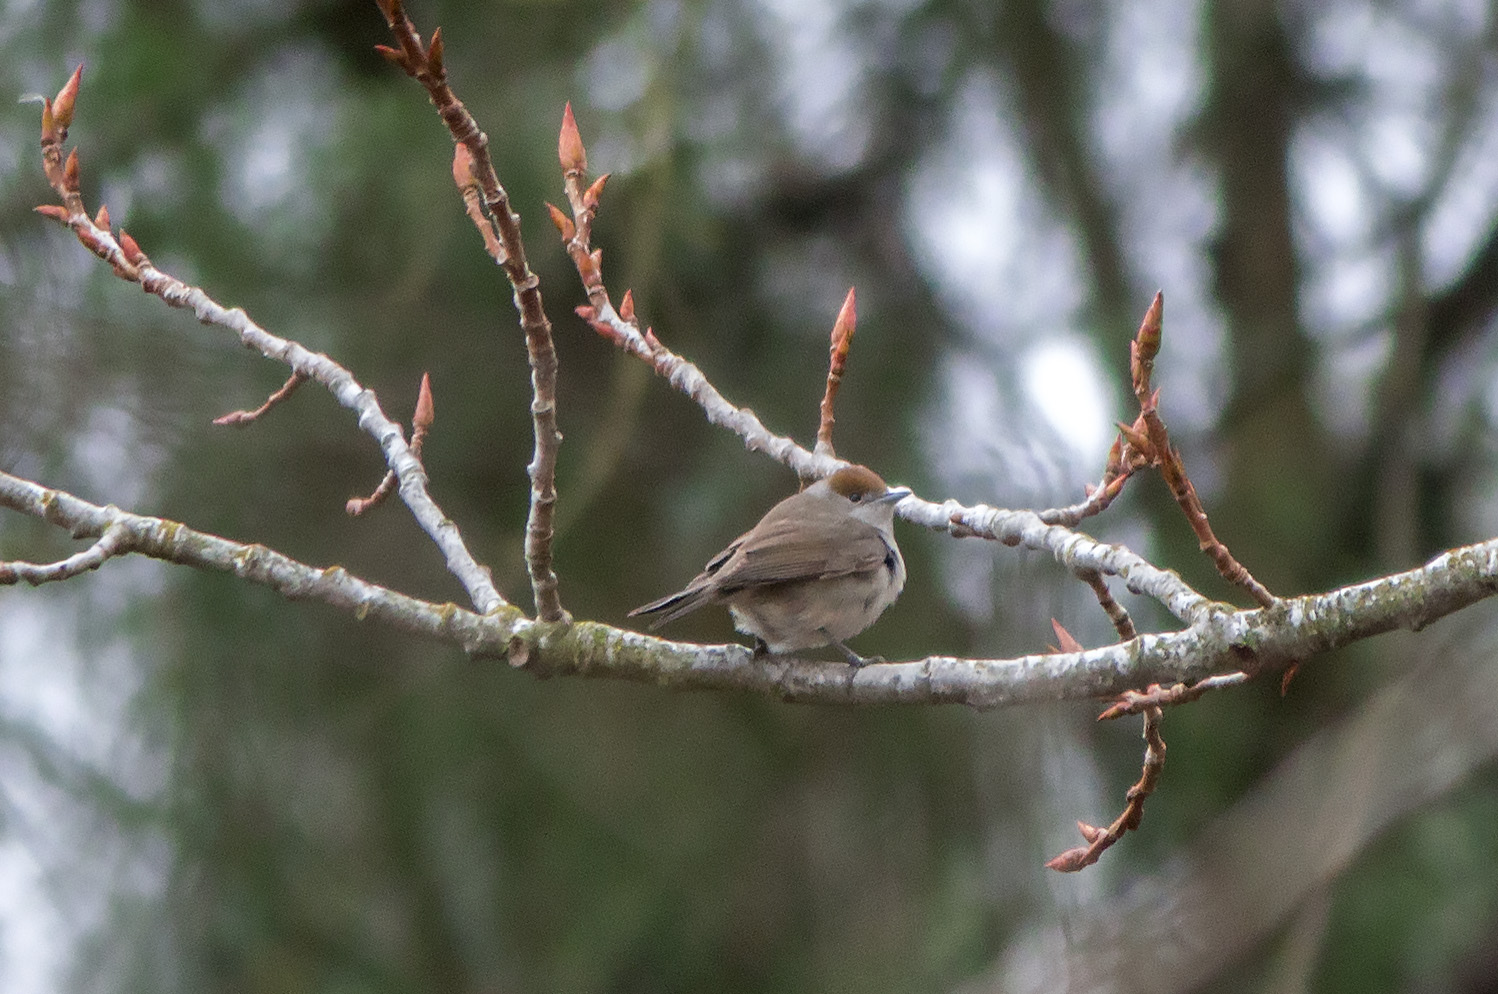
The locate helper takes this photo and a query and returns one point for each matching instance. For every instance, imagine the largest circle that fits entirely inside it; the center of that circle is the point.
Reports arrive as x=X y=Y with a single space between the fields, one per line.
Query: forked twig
x=127 y=260
x=500 y=227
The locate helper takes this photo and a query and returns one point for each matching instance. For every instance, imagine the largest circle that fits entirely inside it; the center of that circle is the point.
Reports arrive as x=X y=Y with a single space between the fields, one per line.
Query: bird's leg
x=854 y=659
x=761 y=649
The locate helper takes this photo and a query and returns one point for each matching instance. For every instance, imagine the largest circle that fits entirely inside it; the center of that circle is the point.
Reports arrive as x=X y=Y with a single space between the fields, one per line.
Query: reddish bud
x=570 y=144
x=847 y=321
x=393 y=55
x=62 y=107
x=55 y=212
x=586 y=312
x=1115 y=458
x=1137 y=437
x=387 y=7
x=130 y=248
x=48 y=125
x=426 y=412
x=1090 y=832
x=1070 y=861
x=463 y=174
x=70 y=171
x=1068 y=642
x=101 y=219
x=627 y=306
x=651 y=340
x=562 y=221
x=591 y=195
x=434 y=53
x=1148 y=336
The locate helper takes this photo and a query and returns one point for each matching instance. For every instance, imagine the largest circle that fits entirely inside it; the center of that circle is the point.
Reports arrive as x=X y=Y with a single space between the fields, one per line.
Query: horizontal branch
x=160 y=538
x=1221 y=641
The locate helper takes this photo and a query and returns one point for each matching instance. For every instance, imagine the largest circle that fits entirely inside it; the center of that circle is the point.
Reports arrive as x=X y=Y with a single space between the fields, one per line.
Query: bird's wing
x=783 y=552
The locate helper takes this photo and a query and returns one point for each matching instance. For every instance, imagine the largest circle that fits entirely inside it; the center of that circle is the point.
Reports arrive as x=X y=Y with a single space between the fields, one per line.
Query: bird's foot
x=854 y=659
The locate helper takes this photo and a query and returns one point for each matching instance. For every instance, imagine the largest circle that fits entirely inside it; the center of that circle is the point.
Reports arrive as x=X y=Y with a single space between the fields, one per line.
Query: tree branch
x=1222 y=641
x=425 y=65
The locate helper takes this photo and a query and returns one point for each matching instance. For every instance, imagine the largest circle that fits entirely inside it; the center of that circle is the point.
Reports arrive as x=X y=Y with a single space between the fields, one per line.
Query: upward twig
x=424 y=64
x=837 y=360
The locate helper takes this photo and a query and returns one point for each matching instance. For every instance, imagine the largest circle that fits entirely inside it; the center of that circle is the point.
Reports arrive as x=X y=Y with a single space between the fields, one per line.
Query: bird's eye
x=855 y=497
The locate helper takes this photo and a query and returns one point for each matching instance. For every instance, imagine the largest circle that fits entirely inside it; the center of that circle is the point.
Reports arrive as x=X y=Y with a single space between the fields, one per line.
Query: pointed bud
x=53 y=211
x=1114 y=465
x=426 y=412
x=562 y=221
x=434 y=53
x=62 y=107
x=70 y=171
x=387 y=7
x=1136 y=437
x=1068 y=642
x=49 y=126
x=627 y=306
x=1090 y=832
x=132 y=251
x=586 y=312
x=393 y=55
x=844 y=326
x=101 y=219
x=591 y=195
x=652 y=341
x=1149 y=330
x=570 y=144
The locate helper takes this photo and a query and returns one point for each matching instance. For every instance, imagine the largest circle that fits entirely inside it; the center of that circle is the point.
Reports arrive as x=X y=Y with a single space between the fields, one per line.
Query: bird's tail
x=674 y=605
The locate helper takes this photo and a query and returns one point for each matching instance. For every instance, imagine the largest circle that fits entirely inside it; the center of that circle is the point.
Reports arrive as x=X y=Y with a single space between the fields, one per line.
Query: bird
x=820 y=567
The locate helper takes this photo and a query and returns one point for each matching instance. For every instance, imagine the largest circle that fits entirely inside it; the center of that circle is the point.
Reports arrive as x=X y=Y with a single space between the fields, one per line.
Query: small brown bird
x=819 y=568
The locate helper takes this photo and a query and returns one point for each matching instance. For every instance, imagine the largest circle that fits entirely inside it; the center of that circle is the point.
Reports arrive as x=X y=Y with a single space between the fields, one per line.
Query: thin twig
x=421 y=423
x=109 y=545
x=424 y=64
x=130 y=263
x=1158 y=696
x=1122 y=623
x=246 y=417
x=1150 y=437
x=1099 y=839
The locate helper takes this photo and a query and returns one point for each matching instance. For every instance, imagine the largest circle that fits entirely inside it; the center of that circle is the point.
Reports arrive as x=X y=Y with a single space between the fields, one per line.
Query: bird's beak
x=893 y=495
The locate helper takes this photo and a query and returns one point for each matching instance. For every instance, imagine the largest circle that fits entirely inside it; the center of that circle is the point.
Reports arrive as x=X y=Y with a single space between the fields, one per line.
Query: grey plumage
x=818 y=568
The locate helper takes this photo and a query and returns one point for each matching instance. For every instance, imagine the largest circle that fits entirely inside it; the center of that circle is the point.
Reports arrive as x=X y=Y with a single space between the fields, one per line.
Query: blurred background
x=206 y=788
